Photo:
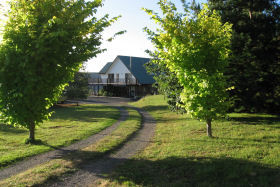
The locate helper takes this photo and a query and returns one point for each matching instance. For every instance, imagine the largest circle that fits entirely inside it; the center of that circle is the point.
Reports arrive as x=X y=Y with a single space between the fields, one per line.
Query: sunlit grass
x=67 y=125
x=245 y=151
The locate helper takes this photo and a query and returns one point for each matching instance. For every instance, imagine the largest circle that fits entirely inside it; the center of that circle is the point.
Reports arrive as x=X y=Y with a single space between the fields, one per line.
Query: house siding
x=118 y=68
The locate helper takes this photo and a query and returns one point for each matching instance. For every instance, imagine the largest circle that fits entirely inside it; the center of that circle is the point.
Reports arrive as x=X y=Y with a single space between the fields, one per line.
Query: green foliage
x=195 y=49
x=78 y=88
x=44 y=44
x=166 y=83
x=104 y=92
x=254 y=68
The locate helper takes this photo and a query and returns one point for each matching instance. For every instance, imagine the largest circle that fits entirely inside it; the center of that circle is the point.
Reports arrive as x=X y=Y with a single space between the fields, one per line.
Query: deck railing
x=128 y=81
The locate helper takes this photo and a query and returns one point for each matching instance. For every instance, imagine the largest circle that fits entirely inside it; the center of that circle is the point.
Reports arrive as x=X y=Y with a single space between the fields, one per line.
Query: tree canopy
x=44 y=44
x=254 y=65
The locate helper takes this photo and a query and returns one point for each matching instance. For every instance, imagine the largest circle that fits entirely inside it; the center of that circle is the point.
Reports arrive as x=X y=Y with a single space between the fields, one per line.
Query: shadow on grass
x=152 y=108
x=249 y=141
x=175 y=171
x=254 y=120
x=195 y=171
x=250 y=120
x=84 y=113
x=11 y=129
x=164 y=109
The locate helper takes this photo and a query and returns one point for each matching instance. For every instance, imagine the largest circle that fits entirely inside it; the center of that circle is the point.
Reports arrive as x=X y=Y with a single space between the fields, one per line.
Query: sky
x=134 y=42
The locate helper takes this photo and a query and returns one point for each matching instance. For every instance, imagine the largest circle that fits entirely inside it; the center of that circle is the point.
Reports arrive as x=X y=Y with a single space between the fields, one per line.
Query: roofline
x=134 y=56
x=118 y=57
x=107 y=69
x=122 y=63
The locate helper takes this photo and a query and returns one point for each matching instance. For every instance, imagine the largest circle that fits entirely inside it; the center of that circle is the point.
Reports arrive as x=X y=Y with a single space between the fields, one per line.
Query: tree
x=44 y=44
x=254 y=66
x=166 y=83
x=195 y=48
x=78 y=88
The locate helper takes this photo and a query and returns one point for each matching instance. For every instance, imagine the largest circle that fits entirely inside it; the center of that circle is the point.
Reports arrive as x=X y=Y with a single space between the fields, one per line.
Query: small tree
x=195 y=48
x=166 y=81
x=44 y=44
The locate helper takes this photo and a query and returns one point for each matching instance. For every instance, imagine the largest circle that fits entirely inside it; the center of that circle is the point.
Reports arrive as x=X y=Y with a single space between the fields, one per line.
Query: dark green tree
x=254 y=67
x=44 y=43
x=78 y=88
x=166 y=83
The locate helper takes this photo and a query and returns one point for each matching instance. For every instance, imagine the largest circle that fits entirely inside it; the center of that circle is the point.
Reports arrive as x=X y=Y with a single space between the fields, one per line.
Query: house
x=93 y=78
x=126 y=77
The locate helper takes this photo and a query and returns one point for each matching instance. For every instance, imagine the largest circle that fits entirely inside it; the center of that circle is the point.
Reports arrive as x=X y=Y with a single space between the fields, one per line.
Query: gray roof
x=138 y=69
x=105 y=68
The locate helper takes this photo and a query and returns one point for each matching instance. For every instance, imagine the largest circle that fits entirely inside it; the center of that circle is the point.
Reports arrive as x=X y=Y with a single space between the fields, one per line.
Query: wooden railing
x=128 y=81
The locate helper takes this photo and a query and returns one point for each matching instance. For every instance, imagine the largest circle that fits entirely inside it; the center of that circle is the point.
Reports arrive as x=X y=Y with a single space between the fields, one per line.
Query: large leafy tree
x=254 y=65
x=44 y=44
x=195 y=48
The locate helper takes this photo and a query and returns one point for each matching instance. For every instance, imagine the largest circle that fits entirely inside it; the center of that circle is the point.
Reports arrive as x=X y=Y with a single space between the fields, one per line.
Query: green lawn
x=67 y=125
x=47 y=173
x=244 y=152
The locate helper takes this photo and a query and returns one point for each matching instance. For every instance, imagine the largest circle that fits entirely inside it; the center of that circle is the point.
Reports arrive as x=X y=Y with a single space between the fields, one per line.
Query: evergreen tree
x=254 y=68
x=78 y=88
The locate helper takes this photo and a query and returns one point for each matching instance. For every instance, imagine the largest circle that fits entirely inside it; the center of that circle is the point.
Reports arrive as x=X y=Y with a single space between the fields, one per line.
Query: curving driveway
x=88 y=173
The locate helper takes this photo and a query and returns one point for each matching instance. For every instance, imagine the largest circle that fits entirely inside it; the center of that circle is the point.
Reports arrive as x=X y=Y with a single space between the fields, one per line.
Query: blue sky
x=134 y=42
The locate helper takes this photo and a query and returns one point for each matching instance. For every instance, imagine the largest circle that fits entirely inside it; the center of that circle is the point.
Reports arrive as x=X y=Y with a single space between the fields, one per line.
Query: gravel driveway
x=88 y=173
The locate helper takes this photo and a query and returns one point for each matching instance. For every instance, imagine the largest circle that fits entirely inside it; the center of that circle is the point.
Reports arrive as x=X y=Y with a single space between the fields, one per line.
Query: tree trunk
x=209 y=128
x=32 y=133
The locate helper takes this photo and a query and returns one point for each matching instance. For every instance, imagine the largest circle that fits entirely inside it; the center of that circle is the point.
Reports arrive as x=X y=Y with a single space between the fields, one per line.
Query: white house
x=125 y=76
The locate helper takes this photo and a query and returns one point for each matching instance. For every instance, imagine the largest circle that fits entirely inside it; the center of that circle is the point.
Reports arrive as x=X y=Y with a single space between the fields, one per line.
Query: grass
x=244 y=152
x=67 y=125
x=50 y=172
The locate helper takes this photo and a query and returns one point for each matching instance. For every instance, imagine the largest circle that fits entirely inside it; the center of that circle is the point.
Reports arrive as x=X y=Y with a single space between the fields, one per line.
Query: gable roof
x=105 y=68
x=137 y=68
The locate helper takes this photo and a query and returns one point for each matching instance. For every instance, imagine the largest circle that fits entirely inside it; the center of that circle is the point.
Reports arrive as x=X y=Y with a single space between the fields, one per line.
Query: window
x=111 y=78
